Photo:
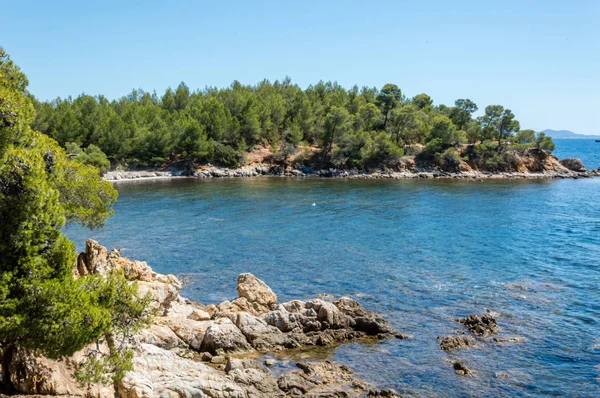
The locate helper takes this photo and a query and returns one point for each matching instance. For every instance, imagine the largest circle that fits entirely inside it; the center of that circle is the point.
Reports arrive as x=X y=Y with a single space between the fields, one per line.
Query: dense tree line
x=360 y=127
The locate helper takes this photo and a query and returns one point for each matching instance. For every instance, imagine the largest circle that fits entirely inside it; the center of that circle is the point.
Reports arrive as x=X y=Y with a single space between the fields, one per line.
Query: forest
x=324 y=125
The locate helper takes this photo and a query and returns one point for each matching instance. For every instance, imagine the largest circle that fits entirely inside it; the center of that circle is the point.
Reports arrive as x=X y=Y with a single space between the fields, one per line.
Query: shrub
x=91 y=155
x=382 y=152
x=450 y=160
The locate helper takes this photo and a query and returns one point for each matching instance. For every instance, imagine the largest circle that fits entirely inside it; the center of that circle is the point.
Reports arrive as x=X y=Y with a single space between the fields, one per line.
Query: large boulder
x=255 y=290
x=573 y=164
x=161 y=373
x=94 y=260
x=261 y=335
x=330 y=316
x=222 y=336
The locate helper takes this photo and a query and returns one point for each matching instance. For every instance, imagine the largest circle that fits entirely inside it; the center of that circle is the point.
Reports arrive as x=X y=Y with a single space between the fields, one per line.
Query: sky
x=540 y=58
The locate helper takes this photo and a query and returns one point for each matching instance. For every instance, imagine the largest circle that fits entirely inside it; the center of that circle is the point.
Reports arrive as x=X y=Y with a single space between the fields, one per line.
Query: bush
x=351 y=150
x=91 y=155
x=450 y=160
x=544 y=142
x=225 y=155
x=283 y=155
x=382 y=152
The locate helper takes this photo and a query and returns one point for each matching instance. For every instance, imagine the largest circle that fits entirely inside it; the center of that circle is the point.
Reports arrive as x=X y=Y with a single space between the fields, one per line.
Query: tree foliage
x=42 y=306
x=220 y=125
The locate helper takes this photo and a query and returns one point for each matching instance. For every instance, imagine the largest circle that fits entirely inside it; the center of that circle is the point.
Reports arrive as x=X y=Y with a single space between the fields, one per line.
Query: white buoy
x=314 y=204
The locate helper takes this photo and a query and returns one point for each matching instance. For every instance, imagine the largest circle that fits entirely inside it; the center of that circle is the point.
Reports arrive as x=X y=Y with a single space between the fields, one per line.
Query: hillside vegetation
x=361 y=128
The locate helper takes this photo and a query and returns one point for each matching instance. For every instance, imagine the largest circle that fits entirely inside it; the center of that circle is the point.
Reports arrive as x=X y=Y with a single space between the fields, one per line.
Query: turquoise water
x=421 y=253
x=586 y=150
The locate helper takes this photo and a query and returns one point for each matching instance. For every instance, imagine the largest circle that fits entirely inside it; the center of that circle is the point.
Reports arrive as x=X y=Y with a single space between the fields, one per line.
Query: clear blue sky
x=539 y=58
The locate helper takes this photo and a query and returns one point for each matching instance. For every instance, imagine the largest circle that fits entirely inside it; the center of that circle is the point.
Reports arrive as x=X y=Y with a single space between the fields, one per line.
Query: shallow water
x=421 y=253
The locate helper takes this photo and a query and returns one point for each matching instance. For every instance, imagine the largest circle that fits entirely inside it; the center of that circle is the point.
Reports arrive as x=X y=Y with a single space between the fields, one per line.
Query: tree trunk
x=112 y=348
x=7 y=357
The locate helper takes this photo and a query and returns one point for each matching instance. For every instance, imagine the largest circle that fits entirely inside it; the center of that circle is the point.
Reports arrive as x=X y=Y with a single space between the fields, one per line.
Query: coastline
x=239 y=348
x=266 y=170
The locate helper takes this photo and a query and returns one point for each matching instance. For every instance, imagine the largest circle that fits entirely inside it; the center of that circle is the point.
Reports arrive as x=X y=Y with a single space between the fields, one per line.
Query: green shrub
x=382 y=151
x=450 y=160
x=91 y=155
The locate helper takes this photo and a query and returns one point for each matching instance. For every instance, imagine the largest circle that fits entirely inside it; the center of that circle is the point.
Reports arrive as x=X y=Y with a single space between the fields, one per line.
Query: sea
x=420 y=253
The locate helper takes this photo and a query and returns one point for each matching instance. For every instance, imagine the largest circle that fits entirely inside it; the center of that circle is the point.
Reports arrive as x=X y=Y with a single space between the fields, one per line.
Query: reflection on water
x=421 y=253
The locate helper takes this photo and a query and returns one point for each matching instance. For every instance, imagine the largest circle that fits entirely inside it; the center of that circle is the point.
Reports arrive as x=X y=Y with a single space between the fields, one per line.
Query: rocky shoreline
x=266 y=170
x=196 y=350
x=533 y=166
x=226 y=350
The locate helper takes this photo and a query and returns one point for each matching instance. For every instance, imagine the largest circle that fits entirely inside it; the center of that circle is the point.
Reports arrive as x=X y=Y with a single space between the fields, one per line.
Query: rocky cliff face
x=193 y=350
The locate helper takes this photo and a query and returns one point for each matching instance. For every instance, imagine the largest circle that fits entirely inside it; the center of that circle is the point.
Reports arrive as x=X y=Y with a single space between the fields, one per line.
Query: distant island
x=569 y=134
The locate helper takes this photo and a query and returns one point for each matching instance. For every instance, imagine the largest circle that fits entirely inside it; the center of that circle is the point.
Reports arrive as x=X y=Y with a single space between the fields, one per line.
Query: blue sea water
x=586 y=150
x=420 y=253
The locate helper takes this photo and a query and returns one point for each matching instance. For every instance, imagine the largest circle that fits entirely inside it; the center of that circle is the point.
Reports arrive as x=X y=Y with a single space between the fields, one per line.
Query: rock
x=351 y=307
x=191 y=332
x=270 y=362
x=94 y=260
x=137 y=270
x=331 y=316
x=254 y=377
x=199 y=315
x=508 y=340
x=255 y=291
x=222 y=336
x=260 y=334
x=573 y=164
x=295 y=383
x=240 y=304
x=461 y=369
x=282 y=320
x=480 y=325
x=373 y=326
x=388 y=392
x=218 y=359
x=162 y=292
x=322 y=379
x=161 y=373
x=162 y=336
x=453 y=342
x=206 y=356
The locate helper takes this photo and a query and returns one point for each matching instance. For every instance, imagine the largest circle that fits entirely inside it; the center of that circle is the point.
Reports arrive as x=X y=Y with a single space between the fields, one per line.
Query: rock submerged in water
x=462 y=369
x=252 y=323
x=455 y=342
x=480 y=325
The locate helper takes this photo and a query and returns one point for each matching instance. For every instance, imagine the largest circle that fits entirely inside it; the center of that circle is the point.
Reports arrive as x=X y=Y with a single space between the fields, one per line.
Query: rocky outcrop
x=326 y=379
x=480 y=325
x=462 y=369
x=255 y=291
x=573 y=164
x=168 y=354
x=455 y=342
